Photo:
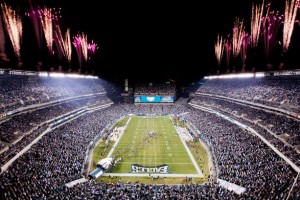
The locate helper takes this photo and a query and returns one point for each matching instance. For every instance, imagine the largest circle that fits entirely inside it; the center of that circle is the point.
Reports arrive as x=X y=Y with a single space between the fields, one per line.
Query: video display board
x=153 y=99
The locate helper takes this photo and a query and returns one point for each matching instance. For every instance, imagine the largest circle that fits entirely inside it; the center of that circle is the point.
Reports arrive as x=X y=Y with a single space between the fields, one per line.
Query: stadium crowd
x=281 y=92
x=155 y=88
x=17 y=91
x=18 y=125
x=241 y=157
x=59 y=156
x=281 y=130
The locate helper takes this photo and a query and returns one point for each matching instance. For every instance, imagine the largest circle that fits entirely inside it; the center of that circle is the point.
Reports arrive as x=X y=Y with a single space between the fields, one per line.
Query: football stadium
x=80 y=119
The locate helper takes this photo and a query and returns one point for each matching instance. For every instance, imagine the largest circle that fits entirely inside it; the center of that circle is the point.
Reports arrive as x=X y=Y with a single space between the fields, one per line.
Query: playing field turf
x=151 y=141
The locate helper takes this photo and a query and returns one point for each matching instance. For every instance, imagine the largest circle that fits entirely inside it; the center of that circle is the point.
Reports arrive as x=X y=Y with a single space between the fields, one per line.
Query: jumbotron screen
x=153 y=99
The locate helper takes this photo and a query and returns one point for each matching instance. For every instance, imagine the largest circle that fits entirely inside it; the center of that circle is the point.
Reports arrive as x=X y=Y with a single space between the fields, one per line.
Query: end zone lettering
x=143 y=169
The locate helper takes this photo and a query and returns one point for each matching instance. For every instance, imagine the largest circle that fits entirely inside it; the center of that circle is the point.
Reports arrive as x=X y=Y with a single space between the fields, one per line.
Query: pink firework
x=245 y=44
x=228 y=50
x=92 y=47
x=81 y=45
x=237 y=36
x=63 y=44
x=270 y=26
x=77 y=45
x=14 y=28
x=57 y=35
x=46 y=18
x=34 y=16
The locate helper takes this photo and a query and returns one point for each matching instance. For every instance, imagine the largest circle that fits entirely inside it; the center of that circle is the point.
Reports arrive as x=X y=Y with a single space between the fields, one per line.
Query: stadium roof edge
x=44 y=74
x=255 y=74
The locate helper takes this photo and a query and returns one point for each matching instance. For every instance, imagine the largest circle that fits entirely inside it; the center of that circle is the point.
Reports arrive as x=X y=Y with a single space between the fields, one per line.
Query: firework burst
x=77 y=45
x=270 y=26
x=14 y=27
x=68 y=46
x=92 y=47
x=84 y=46
x=237 y=36
x=219 y=48
x=228 y=50
x=291 y=7
x=57 y=35
x=34 y=16
x=3 y=55
x=244 y=47
x=81 y=45
x=46 y=19
x=63 y=44
x=256 y=20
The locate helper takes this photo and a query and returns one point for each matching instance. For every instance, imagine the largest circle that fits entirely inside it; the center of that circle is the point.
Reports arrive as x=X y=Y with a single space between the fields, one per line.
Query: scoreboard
x=153 y=99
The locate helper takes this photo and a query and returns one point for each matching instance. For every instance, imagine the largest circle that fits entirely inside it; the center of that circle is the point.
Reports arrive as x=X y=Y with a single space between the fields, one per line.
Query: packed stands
x=239 y=156
x=276 y=91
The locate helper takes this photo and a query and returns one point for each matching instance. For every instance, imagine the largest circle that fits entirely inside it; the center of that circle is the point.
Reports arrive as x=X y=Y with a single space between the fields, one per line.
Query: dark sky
x=174 y=39
x=152 y=39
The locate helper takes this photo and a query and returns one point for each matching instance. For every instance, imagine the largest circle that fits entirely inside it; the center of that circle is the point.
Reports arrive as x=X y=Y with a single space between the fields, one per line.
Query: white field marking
x=118 y=140
x=191 y=156
x=170 y=140
x=162 y=175
x=152 y=174
x=168 y=163
x=174 y=153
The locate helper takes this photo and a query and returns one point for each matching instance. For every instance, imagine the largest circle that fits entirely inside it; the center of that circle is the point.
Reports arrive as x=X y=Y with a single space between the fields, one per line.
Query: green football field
x=151 y=141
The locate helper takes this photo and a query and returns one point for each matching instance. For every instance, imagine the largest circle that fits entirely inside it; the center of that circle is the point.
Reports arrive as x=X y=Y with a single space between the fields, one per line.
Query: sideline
x=154 y=174
x=117 y=142
x=189 y=152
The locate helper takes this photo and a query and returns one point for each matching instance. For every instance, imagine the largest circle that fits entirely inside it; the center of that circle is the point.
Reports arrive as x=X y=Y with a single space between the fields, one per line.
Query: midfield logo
x=163 y=169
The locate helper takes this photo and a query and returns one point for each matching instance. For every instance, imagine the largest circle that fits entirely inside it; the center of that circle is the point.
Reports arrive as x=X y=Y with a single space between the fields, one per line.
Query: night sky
x=150 y=39
x=155 y=39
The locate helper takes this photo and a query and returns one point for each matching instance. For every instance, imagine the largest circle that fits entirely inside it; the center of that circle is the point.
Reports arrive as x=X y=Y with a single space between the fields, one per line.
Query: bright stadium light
x=56 y=75
x=74 y=76
x=89 y=76
x=259 y=74
x=43 y=74
x=227 y=76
